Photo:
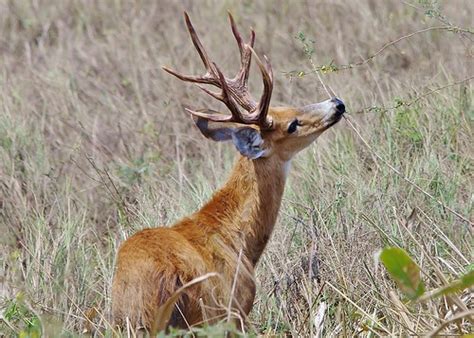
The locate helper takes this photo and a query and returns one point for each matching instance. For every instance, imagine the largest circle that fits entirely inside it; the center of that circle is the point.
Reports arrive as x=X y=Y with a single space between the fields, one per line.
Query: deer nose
x=340 y=107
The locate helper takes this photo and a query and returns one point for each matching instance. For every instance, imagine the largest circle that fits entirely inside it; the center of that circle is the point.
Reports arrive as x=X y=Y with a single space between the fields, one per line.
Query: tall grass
x=94 y=146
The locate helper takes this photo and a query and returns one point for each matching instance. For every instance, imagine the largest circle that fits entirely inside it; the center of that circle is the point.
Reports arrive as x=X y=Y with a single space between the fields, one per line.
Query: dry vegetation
x=94 y=145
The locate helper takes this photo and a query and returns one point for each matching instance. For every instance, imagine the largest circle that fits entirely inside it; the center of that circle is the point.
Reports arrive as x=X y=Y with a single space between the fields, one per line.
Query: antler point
x=234 y=91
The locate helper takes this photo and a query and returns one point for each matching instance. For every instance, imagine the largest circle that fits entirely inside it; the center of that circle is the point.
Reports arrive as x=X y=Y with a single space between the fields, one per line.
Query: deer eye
x=293 y=126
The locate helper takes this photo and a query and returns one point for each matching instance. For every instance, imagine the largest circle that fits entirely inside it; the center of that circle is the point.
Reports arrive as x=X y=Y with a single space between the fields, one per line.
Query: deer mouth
x=339 y=106
x=339 y=110
x=335 y=120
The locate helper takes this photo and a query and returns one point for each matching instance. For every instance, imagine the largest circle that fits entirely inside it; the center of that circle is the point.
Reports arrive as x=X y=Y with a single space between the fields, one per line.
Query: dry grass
x=94 y=145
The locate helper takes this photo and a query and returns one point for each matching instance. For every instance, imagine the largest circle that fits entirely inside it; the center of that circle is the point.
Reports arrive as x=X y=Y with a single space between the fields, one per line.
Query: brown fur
x=239 y=219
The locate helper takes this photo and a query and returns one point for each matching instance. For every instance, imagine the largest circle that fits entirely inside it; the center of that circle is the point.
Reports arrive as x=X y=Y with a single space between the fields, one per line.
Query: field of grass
x=95 y=145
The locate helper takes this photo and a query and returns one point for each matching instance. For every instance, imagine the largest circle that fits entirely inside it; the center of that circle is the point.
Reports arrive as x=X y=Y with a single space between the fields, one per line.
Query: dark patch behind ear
x=214 y=132
x=248 y=141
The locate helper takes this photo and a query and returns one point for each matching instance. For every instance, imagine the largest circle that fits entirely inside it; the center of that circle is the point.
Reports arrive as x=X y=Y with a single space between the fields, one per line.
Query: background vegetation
x=95 y=145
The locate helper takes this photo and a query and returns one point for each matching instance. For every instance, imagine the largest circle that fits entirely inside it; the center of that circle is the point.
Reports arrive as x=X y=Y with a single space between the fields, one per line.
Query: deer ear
x=216 y=131
x=248 y=142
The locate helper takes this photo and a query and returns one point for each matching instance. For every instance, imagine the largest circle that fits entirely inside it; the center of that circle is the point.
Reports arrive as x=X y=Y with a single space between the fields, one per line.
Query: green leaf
x=464 y=282
x=403 y=270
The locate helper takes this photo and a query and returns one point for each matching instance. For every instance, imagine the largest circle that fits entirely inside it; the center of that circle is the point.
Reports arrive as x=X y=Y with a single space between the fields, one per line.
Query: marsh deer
x=229 y=233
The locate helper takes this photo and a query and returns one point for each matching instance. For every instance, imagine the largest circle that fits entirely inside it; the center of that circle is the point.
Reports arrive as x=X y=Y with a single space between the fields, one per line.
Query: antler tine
x=210 y=115
x=224 y=97
x=234 y=92
x=210 y=77
x=247 y=68
x=197 y=44
x=245 y=53
x=227 y=98
x=217 y=96
x=236 y=33
x=221 y=97
x=191 y=78
x=267 y=76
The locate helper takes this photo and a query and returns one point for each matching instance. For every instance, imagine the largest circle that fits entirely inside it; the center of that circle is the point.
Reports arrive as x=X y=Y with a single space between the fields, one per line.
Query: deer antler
x=234 y=91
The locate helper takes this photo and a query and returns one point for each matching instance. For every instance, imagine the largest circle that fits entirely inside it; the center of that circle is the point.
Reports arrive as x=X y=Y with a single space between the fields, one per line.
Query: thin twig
x=350 y=65
x=319 y=77
x=393 y=42
x=440 y=18
x=396 y=171
x=415 y=99
x=469 y=314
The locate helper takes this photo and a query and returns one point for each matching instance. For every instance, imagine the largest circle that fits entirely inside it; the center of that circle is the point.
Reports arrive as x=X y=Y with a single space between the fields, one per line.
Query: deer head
x=259 y=131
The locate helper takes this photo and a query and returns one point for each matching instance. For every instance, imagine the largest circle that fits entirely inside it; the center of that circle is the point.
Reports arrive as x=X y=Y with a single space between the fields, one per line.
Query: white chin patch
x=328 y=112
x=286 y=168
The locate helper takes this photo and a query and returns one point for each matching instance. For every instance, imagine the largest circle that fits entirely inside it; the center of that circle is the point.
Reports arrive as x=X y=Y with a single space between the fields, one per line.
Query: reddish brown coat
x=230 y=232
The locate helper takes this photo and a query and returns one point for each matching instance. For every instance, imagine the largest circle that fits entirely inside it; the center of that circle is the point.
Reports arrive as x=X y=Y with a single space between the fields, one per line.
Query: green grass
x=94 y=146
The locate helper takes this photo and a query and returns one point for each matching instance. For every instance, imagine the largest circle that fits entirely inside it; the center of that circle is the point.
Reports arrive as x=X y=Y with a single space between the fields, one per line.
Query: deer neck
x=246 y=208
